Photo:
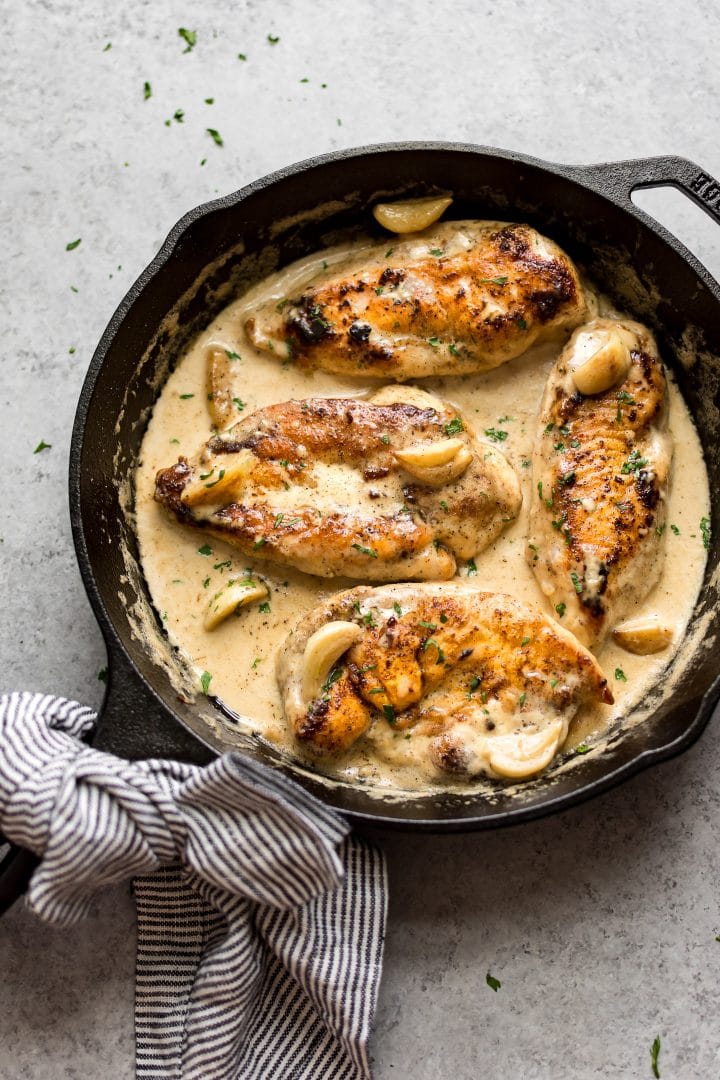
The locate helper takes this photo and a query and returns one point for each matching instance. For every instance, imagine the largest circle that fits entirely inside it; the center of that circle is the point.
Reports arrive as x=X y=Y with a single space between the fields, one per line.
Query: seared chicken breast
x=474 y=682
x=601 y=468
x=460 y=297
x=394 y=487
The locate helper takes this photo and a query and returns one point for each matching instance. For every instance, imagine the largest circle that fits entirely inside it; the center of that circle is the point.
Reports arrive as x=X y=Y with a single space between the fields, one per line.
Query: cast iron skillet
x=220 y=247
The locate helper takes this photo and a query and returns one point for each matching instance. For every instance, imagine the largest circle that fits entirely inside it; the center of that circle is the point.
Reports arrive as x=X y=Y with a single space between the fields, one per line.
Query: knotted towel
x=260 y=918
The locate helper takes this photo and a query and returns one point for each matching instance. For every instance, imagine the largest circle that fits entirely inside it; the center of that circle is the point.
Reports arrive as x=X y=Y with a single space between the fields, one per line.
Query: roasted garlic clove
x=600 y=359
x=228 y=474
x=644 y=635
x=523 y=754
x=411 y=215
x=322 y=650
x=219 y=387
x=436 y=464
x=228 y=600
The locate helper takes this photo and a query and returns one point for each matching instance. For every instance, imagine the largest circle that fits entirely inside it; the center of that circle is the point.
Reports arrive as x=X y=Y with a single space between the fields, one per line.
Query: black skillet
x=220 y=248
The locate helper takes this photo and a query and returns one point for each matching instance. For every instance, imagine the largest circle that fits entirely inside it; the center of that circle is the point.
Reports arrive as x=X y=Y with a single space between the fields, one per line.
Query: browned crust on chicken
x=436 y=660
x=399 y=528
x=601 y=471
x=438 y=312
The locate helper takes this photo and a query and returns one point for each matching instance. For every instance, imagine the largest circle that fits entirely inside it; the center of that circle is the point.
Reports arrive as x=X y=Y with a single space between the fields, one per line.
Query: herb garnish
x=674 y=529
x=433 y=642
x=705 y=530
x=189 y=37
x=365 y=551
x=634 y=463
x=184 y=397
x=103 y=675
x=492 y=982
x=437 y=252
x=273 y=39
x=220 y=476
x=495 y=435
x=471 y=567
x=205 y=680
x=72 y=245
x=147 y=91
x=577 y=583
x=333 y=677
x=232 y=355
x=654 y=1055
x=205 y=550
x=389 y=713
x=561 y=609
x=454 y=426
x=453 y=349
x=239 y=405
x=42 y=445
x=522 y=699
x=582 y=748
x=493 y=280
x=620 y=675
x=215 y=136
x=260 y=542
x=434 y=341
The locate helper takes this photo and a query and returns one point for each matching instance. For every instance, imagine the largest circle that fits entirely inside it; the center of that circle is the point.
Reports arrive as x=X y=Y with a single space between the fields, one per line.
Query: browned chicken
x=460 y=297
x=475 y=682
x=601 y=467
x=397 y=487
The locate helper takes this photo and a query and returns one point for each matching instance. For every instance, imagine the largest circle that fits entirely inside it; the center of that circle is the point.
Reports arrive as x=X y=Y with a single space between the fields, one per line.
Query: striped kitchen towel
x=260 y=917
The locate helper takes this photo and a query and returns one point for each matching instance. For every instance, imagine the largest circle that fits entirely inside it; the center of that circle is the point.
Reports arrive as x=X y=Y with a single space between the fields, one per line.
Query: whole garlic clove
x=643 y=636
x=235 y=595
x=436 y=464
x=600 y=359
x=410 y=215
x=322 y=650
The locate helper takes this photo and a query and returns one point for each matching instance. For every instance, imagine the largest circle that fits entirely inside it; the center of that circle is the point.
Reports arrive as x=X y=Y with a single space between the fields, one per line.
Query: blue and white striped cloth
x=260 y=918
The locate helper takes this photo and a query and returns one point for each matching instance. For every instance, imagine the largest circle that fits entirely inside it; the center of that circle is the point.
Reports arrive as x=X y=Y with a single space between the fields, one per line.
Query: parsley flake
x=239 y=405
x=471 y=567
x=495 y=435
x=674 y=529
x=577 y=583
x=103 y=675
x=493 y=280
x=205 y=680
x=42 y=445
x=705 y=530
x=454 y=426
x=205 y=550
x=389 y=713
x=620 y=675
x=147 y=91
x=232 y=355
x=215 y=136
x=492 y=982
x=189 y=37
x=273 y=39
x=434 y=341
x=365 y=551
x=72 y=245
x=560 y=608
x=654 y=1055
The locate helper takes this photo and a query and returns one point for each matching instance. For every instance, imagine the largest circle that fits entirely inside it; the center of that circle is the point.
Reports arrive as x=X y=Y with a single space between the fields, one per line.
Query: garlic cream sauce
x=184 y=568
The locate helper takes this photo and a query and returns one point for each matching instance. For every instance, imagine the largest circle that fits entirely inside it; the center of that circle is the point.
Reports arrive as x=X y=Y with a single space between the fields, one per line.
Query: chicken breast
x=394 y=487
x=601 y=469
x=476 y=682
x=460 y=297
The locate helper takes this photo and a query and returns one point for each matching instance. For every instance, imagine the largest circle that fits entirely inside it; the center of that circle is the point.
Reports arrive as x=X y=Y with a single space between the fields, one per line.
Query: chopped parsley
x=471 y=567
x=493 y=280
x=567 y=479
x=209 y=100
x=634 y=463
x=397 y=609
x=389 y=252
x=492 y=982
x=365 y=551
x=437 y=252
x=654 y=1055
x=260 y=542
x=232 y=355
x=434 y=341
x=582 y=748
x=444 y=506
x=239 y=405
x=273 y=39
x=189 y=37
x=577 y=583
x=220 y=476
x=432 y=642
x=42 y=445
x=495 y=435
x=620 y=675
x=453 y=349
x=427 y=625
x=521 y=323
x=522 y=699
x=147 y=91
x=205 y=550
x=333 y=677
x=103 y=675
x=389 y=713
x=525 y=463
x=179 y=116
x=241 y=56
x=215 y=136
x=108 y=47
x=256 y=661
x=72 y=245
x=674 y=529
x=561 y=609
x=705 y=530
x=206 y=582
x=385 y=439
x=525 y=641
x=474 y=683
x=185 y=397
x=454 y=426
x=205 y=680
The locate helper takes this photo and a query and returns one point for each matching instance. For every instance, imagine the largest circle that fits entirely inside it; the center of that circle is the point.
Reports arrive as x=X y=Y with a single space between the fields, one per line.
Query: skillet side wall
x=641 y=271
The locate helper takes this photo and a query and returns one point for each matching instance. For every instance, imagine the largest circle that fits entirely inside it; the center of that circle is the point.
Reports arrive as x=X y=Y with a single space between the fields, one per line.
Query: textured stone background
x=600 y=924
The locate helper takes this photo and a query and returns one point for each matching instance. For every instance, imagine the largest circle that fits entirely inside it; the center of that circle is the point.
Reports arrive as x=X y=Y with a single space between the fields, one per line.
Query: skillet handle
x=619 y=179
x=134 y=723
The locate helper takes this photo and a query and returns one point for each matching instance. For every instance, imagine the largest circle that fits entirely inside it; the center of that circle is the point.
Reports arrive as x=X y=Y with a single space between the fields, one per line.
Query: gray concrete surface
x=601 y=925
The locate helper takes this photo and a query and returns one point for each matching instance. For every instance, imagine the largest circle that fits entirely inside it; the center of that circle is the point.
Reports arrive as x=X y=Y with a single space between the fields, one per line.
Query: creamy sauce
x=240 y=654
